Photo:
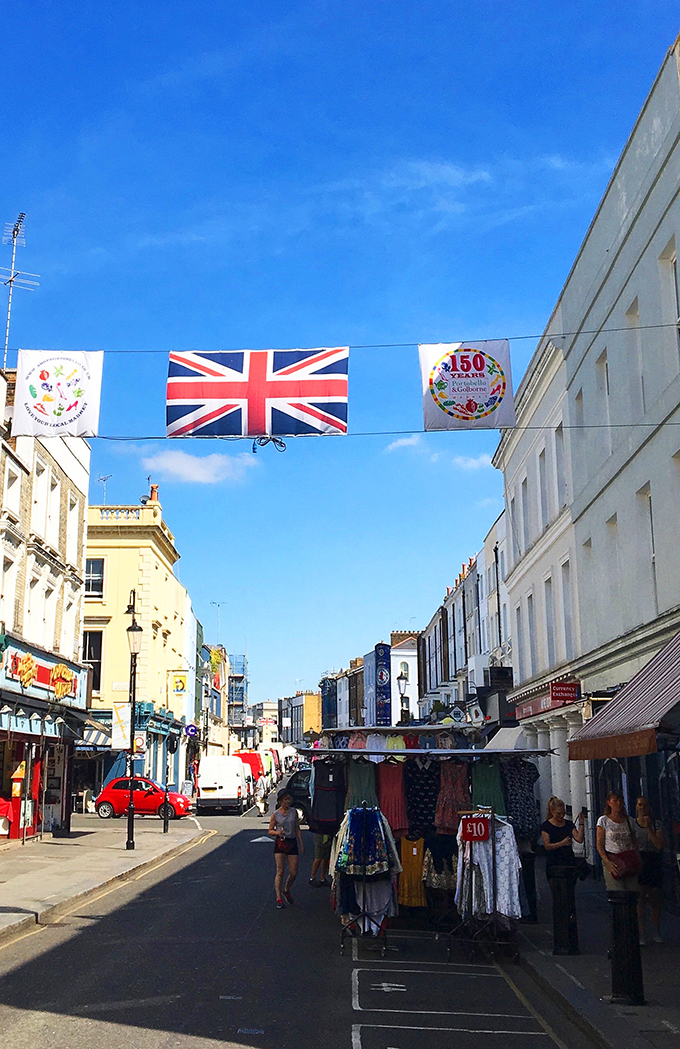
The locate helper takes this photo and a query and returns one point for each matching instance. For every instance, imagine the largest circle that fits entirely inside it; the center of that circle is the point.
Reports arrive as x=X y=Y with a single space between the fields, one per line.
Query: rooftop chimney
x=153 y=498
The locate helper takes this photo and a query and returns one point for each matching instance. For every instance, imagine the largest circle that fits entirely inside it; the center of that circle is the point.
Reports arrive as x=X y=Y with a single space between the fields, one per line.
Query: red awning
x=627 y=726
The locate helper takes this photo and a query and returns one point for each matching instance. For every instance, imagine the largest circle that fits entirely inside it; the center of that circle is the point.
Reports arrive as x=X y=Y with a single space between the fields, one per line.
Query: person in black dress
x=557 y=835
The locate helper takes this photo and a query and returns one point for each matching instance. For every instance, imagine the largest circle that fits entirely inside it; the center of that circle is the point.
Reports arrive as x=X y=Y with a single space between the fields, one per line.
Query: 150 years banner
x=467 y=385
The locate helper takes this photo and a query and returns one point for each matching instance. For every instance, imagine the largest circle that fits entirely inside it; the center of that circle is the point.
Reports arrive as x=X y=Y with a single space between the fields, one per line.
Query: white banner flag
x=467 y=385
x=120 y=725
x=57 y=394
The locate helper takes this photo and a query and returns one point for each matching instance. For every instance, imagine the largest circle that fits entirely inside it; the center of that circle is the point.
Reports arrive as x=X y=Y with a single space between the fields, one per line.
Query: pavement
x=583 y=982
x=179 y=944
x=39 y=878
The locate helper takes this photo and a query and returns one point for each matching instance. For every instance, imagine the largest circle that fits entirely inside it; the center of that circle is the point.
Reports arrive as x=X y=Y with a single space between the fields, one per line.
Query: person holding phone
x=284 y=828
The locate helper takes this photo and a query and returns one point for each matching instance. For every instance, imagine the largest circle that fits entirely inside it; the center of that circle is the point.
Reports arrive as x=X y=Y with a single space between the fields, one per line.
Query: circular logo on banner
x=191 y=731
x=383 y=676
x=467 y=384
x=59 y=387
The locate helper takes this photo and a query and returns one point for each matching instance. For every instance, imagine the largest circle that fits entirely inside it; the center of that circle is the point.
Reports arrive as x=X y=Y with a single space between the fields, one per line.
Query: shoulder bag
x=626 y=864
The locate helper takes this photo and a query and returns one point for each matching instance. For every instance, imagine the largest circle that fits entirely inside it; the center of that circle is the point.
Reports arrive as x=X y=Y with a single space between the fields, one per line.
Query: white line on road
x=388 y=988
x=431 y=1012
x=356 y=1031
x=194 y=820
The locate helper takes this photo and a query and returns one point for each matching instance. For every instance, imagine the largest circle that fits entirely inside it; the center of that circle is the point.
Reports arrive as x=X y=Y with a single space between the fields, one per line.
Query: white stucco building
x=592 y=471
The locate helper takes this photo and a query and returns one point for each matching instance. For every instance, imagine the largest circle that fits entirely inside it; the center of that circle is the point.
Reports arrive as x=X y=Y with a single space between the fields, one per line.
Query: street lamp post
x=134 y=636
x=402 y=682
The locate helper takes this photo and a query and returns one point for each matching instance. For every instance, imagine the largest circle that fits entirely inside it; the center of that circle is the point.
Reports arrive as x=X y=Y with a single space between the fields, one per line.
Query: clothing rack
x=364 y=914
x=488 y=931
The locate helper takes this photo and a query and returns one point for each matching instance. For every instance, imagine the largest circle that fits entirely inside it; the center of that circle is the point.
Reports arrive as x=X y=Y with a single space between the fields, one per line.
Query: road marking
x=527 y=1005
x=260 y=839
x=428 y=1012
x=132 y=1003
x=356 y=1031
x=194 y=820
x=567 y=973
x=670 y=1026
x=231 y=998
x=250 y=1030
x=388 y=988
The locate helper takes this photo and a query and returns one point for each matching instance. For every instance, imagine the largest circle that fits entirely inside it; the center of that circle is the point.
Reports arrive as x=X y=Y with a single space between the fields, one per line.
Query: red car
x=148 y=798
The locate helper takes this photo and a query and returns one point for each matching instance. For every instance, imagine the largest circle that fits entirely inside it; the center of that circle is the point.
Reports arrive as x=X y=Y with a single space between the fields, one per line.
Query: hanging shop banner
x=467 y=385
x=120 y=725
x=383 y=700
x=253 y=393
x=57 y=394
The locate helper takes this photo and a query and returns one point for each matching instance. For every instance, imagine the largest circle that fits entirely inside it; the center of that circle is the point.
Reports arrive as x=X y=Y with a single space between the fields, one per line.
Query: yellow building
x=131 y=548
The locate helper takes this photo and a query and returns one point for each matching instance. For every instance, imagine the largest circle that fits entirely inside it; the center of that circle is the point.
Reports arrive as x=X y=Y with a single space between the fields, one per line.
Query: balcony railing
x=120 y=513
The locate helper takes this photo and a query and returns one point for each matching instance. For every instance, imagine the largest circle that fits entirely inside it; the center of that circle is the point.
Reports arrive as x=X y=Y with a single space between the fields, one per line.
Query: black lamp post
x=402 y=682
x=134 y=636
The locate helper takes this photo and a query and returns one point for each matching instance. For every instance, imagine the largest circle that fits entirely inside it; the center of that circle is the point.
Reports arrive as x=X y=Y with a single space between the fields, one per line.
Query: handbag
x=626 y=864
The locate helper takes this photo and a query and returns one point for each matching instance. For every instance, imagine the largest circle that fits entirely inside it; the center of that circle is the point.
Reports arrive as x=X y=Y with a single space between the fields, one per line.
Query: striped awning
x=93 y=736
x=627 y=725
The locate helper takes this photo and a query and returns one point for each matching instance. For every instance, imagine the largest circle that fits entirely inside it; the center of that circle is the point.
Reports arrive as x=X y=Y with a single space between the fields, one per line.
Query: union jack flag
x=254 y=393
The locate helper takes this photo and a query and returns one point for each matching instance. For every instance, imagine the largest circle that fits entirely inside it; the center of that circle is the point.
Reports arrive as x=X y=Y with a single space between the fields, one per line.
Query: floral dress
x=454 y=794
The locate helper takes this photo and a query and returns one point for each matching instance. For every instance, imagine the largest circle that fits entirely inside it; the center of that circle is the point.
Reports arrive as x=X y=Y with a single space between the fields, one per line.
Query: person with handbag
x=617 y=846
x=650 y=842
x=284 y=828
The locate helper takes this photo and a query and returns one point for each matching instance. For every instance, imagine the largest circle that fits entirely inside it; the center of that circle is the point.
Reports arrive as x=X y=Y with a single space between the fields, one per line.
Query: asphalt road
x=195 y=954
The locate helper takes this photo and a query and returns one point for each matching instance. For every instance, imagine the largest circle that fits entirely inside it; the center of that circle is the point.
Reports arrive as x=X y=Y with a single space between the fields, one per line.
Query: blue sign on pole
x=191 y=731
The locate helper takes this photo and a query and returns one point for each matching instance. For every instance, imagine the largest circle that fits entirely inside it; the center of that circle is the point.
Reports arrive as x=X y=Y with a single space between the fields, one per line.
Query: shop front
x=43 y=700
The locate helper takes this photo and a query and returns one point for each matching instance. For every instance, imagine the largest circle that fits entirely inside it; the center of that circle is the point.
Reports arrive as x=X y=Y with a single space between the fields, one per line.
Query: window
x=94 y=577
x=519 y=634
x=602 y=377
x=543 y=489
x=13 y=489
x=549 y=620
x=526 y=531
x=670 y=289
x=566 y=611
x=635 y=353
x=72 y=521
x=403 y=669
x=53 y=512
x=122 y=784
x=39 y=510
x=560 y=475
x=9 y=589
x=645 y=497
x=514 y=530
x=531 y=628
x=92 y=654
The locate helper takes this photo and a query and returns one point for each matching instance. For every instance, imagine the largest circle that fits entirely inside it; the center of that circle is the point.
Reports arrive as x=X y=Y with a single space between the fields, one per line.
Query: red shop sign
x=475 y=828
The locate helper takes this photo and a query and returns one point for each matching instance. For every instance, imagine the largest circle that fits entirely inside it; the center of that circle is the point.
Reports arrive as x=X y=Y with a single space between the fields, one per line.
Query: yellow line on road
x=534 y=1012
x=118 y=883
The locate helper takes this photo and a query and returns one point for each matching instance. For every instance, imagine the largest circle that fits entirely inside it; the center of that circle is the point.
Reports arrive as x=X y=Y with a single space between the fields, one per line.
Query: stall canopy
x=509 y=739
x=627 y=726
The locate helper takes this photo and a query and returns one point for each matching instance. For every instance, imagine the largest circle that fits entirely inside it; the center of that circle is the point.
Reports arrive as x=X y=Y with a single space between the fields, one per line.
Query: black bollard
x=565 y=928
x=627 y=988
x=529 y=880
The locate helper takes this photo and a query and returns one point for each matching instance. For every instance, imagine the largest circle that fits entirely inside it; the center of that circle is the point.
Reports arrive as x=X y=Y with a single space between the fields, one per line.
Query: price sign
x=475 y=828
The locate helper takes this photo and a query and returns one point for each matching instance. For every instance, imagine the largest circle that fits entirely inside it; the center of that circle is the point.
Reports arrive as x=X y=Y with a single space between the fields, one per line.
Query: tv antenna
x=219 y=606
x=14 y=234
x=102 y=479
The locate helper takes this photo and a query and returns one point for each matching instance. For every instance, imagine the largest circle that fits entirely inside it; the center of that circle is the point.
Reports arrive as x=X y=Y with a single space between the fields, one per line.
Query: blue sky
x=224 y=175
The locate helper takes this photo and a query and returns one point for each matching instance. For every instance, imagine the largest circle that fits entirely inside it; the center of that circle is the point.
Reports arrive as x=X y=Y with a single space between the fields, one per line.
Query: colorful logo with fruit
x=57 y=389
x=467 y=384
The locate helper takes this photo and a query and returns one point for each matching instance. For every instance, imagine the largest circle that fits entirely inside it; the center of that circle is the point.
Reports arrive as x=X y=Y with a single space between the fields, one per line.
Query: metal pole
x=9 y=301
x=165 y=799
x=130 y=843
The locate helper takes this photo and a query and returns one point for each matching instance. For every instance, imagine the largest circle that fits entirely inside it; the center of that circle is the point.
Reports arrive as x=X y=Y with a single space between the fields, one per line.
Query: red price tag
x=475 y=828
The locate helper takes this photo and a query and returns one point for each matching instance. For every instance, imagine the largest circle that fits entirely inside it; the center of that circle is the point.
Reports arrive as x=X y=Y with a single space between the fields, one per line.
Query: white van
x=222 y=785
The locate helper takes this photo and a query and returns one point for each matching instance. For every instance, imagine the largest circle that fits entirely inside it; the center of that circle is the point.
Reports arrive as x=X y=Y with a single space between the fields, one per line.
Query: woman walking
x=284 y=828
x=557 y=835
x=650 y=844
x=617 y=846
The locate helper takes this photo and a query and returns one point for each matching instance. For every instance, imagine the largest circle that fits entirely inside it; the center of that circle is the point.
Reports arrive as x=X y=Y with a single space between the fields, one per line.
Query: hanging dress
x=487 y=786
x=519 y=777
x=328 y=804
x=361 y=784
x=421 y=780
x=411 y=889
x=392 y=796
x=454 y=794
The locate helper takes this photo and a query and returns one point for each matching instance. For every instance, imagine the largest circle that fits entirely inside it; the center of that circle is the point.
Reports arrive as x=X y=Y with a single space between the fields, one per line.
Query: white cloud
x=176 y=465
x=470 y=462
x=404 y=442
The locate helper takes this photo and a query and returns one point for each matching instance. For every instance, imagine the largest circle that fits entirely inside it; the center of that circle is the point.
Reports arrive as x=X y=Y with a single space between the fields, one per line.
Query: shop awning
x=509 y=739
x=93 y=736
x=627 y=726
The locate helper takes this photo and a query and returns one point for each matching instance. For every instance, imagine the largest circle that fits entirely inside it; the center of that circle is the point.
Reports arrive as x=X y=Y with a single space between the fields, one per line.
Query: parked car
x=298 y=784
x=149 y=799
x=222 y=784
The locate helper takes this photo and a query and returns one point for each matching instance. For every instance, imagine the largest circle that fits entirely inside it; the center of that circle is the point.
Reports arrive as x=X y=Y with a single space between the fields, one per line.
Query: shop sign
x=31 y=673
x=179 y=683
x=561 y=694
x=474 y=828
x=383 y=697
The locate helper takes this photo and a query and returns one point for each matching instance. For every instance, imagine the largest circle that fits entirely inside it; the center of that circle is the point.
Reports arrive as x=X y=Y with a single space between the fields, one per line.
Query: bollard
x=565 y=929
x=627 y=987
x=529 y=880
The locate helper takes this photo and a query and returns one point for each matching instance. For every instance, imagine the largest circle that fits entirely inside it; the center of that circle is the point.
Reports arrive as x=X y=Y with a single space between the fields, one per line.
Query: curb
x=592 y=1015
x=49 y=915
